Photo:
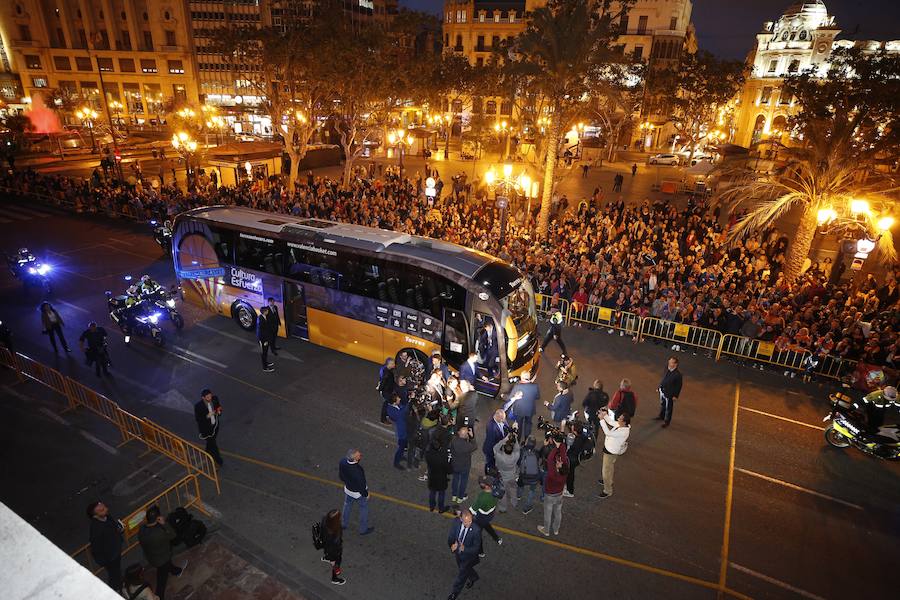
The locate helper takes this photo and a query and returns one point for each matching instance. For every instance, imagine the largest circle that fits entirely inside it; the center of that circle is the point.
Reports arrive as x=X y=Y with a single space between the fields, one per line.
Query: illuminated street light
x=885 y=223
x=186 y=146
x=87 y=115
x=503 y=186
x=859 y=207
x=826 y=216
x=401 y=139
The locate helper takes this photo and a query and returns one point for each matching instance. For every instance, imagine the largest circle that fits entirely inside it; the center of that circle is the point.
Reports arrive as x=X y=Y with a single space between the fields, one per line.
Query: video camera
x=551 y=431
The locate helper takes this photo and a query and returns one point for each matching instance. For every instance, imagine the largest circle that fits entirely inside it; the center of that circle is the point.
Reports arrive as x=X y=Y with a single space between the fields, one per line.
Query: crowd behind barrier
x=604 y=264
x=194 y=458
x=184 y=493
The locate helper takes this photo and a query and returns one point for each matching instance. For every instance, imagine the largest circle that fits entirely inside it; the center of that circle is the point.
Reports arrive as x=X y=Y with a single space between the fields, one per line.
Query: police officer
x=875 y=405
x=555 y=332
x=95 y=338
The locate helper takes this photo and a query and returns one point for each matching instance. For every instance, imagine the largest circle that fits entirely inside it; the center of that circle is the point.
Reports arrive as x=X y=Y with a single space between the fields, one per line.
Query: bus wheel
x=244 y=315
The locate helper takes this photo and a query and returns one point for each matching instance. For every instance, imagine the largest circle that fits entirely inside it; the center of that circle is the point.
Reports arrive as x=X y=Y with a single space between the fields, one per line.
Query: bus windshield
x=520 y=305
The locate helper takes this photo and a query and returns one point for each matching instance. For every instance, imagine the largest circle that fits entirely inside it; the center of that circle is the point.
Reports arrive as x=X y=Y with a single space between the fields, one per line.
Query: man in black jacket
x=266 y=332
x=207 y=413
x=276 y=319
x=595 y=399
x=669 y=391
x=106 y=543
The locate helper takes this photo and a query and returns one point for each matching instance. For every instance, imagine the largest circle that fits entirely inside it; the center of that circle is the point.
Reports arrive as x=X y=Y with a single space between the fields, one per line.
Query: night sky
x=728 y=27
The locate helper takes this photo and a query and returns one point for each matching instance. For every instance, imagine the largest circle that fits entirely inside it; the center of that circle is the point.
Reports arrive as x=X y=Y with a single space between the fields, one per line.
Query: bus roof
x=460 y=259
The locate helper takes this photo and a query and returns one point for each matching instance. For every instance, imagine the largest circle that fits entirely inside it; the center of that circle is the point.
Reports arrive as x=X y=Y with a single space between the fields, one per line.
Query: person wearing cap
x=207 y=413
x=464 y=540
x=555 y=332
x=875 y=405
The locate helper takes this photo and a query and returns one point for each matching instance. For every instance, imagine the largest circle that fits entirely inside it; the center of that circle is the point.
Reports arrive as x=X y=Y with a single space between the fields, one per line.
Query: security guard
x=555 y=332
x=96 y=352
x=875 y=405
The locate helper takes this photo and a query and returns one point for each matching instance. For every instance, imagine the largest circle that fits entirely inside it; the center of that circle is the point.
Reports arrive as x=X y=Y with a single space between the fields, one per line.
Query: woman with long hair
x=334 y=544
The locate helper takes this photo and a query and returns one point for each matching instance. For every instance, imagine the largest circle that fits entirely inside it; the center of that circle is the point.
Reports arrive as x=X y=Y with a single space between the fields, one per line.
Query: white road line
x=380 y=428
x=51 y=414
x=780 y=418
x=776 y=582
x=73 y=307
x=103 y=445
x=283 y=354
x=799 y=488
x=201 y=357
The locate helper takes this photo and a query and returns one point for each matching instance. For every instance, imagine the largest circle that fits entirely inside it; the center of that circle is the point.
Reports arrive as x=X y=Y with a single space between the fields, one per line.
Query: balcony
x=170 y=49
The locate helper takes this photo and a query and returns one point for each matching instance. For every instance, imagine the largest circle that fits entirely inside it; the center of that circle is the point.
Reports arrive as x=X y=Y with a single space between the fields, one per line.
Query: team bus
x=367 y=292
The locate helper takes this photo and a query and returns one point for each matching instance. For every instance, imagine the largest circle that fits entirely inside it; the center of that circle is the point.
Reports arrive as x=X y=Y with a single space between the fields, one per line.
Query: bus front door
x=296 y=323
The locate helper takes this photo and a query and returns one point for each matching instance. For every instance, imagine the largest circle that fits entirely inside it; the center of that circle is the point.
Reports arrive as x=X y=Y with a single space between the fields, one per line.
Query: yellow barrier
x=546 y=306
x=681 y=333
x=185 y=492
x=192 y=457
x=625 y=322
x=764 y=352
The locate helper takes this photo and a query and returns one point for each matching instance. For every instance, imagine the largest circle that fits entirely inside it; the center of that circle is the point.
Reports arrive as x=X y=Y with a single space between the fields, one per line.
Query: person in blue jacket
x=397 y=411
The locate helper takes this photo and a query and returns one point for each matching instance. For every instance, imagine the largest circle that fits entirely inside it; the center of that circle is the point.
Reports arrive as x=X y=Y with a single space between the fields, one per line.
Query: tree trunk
x=552 y=142
x=799 y=247
x=447 y=139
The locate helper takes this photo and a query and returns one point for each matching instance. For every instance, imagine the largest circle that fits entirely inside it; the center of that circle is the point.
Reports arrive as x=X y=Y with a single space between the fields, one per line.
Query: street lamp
x=186 y=147
x=117 y=107
x=503 y=185
x=87 y=115
x=401 y=139
x=503 y=126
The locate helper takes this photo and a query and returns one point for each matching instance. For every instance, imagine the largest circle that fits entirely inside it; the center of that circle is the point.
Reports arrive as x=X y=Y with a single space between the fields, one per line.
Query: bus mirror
x=446 y=295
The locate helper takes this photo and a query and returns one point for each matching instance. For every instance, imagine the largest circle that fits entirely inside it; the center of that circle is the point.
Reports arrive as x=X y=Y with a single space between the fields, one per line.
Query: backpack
x=498 y=490
x=587 y=450
x=317 y=536
x=179 y=520
x=194 y=533
x=531 y=468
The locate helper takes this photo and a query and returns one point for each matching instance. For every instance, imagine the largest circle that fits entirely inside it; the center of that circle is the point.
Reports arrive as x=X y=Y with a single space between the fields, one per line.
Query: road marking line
x=780 y=418
x=99 y=442
x=243 y=340
x=262 y=492
x=45 y=410
x=729 y=494
x=535 y=538
x=794 y=486
x=776 y=582
x=380 y=428
x=201 y=357
x=72 y=306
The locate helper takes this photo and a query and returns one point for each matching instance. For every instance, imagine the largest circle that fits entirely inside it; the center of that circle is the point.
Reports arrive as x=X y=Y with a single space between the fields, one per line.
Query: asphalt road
x=805 y=520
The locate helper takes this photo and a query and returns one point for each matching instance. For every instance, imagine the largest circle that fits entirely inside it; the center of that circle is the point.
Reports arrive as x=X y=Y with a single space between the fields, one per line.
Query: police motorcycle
x=163 y=299
x=135 y=317
x=29 y=270
x=162 y=233
x=861 y=424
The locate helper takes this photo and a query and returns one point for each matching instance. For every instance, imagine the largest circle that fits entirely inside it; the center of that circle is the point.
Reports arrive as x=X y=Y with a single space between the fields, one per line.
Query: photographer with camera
x=461 y=449
x=580 y=445
x=614 y=445
x=566 y=371
x=506 y=457
x=595 y=399
x=555 y=481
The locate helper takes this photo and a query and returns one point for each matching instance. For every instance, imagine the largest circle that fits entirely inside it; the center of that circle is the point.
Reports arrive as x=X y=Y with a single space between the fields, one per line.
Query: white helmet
x=132 y=290
x=145 y=278
x=890 y=393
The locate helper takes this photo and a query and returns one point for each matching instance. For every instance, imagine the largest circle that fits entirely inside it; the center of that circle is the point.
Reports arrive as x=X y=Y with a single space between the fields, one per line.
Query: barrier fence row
x=185 y=492
x=125 y=211
x=712 y=341
x=194 y=458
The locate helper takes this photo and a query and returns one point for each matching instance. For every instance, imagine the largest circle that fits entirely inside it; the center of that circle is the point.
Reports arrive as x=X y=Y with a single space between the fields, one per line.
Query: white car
x=664 y=159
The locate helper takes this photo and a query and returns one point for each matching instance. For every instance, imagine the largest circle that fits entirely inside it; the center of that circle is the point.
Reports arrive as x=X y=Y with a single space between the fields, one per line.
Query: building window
x=803 y=35
x=496 y=16
x=448 y=17
x=512 y=16
x=25 y=33
x=477 y=105
x=148 y=41
x=463 y=14
x=179 y=92
x=794 y=66
x=506 y=107
x=170 y=38
x=176 y=67
x=773 y=65
x=105 y=64
x=457 y=106
x=32 y=61
x=60 y=41
x=126 y=41
x=623 y=24
x=673 y=23
x=642 y=25
x=82 y=39
x=638 y=54
x=62 y=63
x=784 y=36
x=126 y=65
x=490 y=107
x=104 y=40
x=459 y=44
x=123 y=16
x=145 y=17
x=495 y=41
x=446 y=39
x=481 y=16
x=83 y=63
x=784 y=98
x=766 y=95
x=148 y=65
x=39 y=82
x=479 y=45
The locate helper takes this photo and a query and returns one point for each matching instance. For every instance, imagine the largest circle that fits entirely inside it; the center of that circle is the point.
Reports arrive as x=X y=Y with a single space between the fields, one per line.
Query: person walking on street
x=276 y=322
x=386 y=386
x=155 y=538
x=265 y=334
x=464 y=541
x=555 y=332
x=438 y=463
x=623 y=401
x=106 y=542
x=669 y=391
x=397 y=411
x=208 y=414
x=614 y=446
x=634 y=169
x=333 y=535
x=523 y=399
x=506 y=456
x=555 y=481
x=52 y=323
x=96 y=352
x=355 y=490
x=461 y=449
x=496 y=430
x=484 y=507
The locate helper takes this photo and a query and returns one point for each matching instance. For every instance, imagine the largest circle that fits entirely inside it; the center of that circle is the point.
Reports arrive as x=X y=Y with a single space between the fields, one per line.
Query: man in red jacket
x=557 y=471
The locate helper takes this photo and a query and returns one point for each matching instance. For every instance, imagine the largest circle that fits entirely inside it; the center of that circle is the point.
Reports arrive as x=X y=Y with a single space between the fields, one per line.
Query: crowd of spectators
x=649 y=259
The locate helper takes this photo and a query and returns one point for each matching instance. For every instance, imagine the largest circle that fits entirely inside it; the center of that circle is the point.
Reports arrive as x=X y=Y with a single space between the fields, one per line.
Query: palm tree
x=565 y=42
x=849 y=131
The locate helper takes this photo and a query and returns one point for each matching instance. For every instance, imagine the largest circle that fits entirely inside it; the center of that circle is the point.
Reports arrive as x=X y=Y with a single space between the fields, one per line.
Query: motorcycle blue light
x=154 y=318
x=128 y=278
x=43 y=269
x=32 y=270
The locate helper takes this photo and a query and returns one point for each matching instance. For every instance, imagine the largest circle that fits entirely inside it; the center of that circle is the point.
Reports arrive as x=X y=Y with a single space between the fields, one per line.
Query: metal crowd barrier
x=546 y=305
x=763 y=352
x=681 y=333
x=194 y=458
x=126 y=211
x=598 y=316
x=185 y=492
x=835 y=367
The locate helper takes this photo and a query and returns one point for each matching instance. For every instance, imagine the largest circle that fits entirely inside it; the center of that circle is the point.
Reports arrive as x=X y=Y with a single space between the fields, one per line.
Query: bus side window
x=455 y=342
x=222 y=242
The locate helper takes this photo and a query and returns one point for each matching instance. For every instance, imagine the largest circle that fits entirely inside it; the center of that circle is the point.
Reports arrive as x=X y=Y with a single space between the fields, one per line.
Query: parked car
x=664 y=159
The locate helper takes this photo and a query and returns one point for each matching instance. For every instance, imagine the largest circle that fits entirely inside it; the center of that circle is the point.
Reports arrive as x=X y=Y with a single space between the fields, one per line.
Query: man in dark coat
x=464 y=540
x=276 y=319
x=266 y=332
x=669 y=391
x=207 y=413
x=106 y=543
x=155 y=538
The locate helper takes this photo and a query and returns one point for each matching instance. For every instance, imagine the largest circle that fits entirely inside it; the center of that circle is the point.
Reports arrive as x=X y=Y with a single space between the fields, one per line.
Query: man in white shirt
x=614 y=445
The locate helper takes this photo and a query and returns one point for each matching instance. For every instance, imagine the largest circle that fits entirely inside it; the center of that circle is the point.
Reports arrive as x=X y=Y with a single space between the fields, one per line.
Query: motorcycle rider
x=875 y=405
x=96 y=351
x=148 y=286
x=19 y=263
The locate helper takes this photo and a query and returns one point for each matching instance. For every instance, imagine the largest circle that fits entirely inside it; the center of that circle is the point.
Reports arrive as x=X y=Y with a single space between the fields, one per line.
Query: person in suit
x=266 y=332
x=469 y=371
x=276 y=319
x=495 y=431
x=523 y=399
x=669 y=390
x=464 y=539
x=207 y=413
x=487 y=346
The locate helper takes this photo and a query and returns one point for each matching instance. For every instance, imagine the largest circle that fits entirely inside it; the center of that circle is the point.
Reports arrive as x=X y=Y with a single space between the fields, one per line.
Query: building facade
x=137 y=54
x=801 y=40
